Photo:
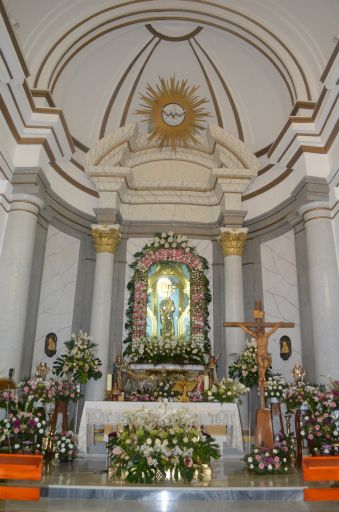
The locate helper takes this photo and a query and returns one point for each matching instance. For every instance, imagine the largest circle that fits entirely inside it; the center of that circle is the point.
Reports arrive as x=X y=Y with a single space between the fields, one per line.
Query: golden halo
x=174 y=112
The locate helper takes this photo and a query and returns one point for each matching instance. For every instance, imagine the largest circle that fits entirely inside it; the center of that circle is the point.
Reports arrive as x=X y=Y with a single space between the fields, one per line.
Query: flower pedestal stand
x=319 y=469
x=264 y=430
x=276 y=415
x=299 y=440
x=20 y=467
x=60 y=408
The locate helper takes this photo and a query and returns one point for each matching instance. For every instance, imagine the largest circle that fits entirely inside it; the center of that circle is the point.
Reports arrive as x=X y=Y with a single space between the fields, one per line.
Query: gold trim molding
x=232 y=242
x=105 y=238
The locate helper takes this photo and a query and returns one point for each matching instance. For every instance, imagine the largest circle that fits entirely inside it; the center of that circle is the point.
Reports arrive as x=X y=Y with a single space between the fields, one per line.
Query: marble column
x=106 y=239
x=15 y=274
x=323 y=286
x=232 y=242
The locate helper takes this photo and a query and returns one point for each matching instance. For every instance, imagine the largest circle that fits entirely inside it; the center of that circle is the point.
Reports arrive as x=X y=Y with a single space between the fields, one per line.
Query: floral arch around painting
x=167 y=315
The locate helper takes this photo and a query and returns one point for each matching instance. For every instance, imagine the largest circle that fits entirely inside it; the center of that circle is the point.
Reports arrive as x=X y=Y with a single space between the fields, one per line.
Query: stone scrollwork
x=232 y=241
x=105 y=238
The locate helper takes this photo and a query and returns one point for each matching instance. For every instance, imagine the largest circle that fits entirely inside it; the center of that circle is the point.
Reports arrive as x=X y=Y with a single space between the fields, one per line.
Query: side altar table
x=209 y=413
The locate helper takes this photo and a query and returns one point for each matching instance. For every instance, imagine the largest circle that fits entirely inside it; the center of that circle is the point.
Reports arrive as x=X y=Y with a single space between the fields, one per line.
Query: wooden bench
x=20 y=467
x=320 y=469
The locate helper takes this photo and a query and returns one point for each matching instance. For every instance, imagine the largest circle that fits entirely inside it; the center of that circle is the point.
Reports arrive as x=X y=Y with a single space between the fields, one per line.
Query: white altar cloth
x=209 y=413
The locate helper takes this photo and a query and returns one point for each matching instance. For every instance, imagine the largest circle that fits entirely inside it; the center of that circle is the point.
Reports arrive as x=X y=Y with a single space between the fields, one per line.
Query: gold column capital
x=106 y=238
x=232 y=241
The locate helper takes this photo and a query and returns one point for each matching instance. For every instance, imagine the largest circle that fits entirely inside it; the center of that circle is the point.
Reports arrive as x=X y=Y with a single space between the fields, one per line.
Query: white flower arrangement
x=80 y=362
x=275 y=386
x=64 y=445
x=245 y=367
x=170 y=240
x=158 y=350
x=149 y=444
x=227 y=390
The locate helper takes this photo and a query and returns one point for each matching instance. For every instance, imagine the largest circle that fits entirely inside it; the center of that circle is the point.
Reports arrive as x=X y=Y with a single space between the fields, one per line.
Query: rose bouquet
x=22 y=432
x=321 y=432
x=9 y=400
x=150 y=444
x=36 y=390
x=80 y=361
x=227 y=390
x=320 y=426
x=274 y=460
x=244 y=368
x=275 y=386
x=64 y=446
x=300 y=395
x=66 y=390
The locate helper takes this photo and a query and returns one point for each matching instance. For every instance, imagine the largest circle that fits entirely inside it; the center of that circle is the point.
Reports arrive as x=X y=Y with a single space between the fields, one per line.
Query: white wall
x=57 y=292
x=281 y=302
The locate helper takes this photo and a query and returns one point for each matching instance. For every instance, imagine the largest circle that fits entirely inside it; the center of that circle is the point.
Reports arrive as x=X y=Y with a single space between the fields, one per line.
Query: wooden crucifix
x=257 y=330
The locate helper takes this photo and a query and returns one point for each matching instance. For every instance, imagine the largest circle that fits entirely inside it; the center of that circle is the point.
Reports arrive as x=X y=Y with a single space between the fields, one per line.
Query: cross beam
x=255 y=324
x=257 y=330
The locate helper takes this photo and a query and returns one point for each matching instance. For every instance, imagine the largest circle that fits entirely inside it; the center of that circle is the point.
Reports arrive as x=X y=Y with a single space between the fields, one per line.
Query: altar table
x=209 y=413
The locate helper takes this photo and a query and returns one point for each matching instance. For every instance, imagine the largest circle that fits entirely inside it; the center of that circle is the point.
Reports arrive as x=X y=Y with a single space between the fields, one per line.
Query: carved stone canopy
x=199 y=182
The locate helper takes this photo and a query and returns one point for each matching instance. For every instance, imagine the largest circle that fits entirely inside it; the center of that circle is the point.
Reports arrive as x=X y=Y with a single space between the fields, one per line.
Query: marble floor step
x=153 y=494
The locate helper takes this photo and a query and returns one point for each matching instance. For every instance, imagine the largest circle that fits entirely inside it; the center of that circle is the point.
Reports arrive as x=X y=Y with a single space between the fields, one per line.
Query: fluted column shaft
x=324 y=288
x=106 y=239
x=232 y=242
x=15 y=275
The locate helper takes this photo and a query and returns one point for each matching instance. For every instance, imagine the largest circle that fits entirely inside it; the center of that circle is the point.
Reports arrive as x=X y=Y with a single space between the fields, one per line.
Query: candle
x=206 y=382
x=109 y=382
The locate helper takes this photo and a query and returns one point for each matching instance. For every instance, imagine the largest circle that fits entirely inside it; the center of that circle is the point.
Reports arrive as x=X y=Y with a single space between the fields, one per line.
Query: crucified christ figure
x=264 y=359
x=258 y=332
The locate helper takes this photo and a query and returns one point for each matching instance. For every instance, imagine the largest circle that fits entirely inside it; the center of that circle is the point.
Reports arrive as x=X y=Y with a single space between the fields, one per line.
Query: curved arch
x=187 y=19
x=202 y=2
x=173 y=39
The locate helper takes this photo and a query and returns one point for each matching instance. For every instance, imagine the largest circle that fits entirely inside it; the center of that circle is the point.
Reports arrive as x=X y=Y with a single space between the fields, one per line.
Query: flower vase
x=274 y=400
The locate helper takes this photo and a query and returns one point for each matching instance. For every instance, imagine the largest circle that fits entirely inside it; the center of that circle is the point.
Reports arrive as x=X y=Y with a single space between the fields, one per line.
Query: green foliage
x=80 y=362
x=149 y=445
x=245 y=368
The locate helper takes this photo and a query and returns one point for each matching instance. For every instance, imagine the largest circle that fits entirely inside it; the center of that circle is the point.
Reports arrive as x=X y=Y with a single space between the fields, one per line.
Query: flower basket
x=150 y=446
x=80 y=363
x=64 y=446
x=245 y=368
x=22 y=432
x=274 y=388
x=175 y=351
x=226 y=391
x=271 y=461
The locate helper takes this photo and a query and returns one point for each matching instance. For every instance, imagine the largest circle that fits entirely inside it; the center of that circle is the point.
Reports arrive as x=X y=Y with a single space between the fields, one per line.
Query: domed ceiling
x=251 y=59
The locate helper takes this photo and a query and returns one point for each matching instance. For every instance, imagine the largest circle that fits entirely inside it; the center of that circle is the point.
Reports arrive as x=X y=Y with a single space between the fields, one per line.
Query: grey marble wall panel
x=57 y=292
x=84 y=286
x=307 y=343
x=34 y=297
x=281 y=298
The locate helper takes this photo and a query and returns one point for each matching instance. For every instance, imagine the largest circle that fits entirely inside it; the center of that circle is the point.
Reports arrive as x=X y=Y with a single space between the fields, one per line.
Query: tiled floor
x=227 y=475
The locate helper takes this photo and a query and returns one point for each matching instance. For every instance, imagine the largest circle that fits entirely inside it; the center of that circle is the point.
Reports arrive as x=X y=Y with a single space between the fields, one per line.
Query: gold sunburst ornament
x=174 y=112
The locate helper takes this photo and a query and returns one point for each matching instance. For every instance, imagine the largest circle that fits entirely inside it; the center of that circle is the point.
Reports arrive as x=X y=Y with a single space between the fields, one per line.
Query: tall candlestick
x=109 y=382
x=206 y=382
